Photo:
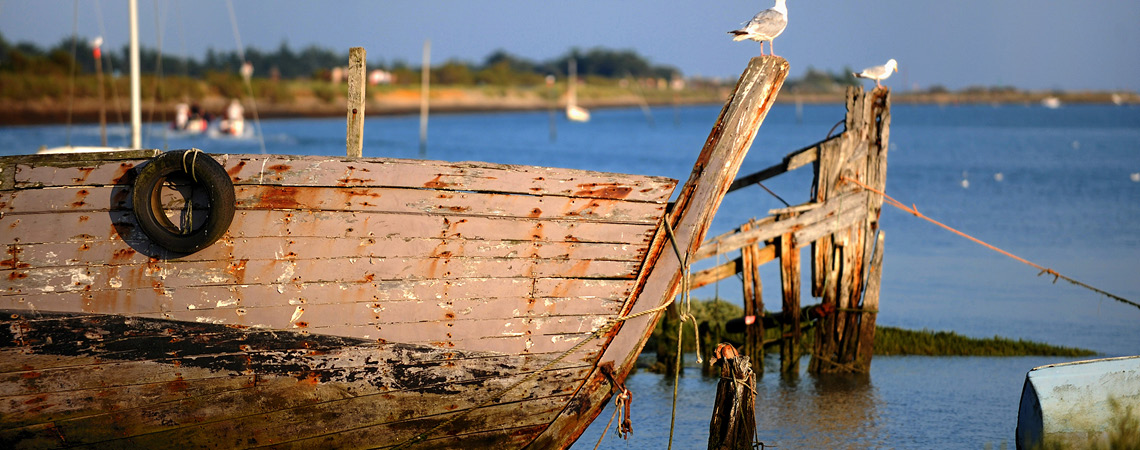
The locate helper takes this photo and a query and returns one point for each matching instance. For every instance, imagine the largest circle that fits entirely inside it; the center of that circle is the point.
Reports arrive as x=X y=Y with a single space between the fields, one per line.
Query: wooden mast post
x=356 y=84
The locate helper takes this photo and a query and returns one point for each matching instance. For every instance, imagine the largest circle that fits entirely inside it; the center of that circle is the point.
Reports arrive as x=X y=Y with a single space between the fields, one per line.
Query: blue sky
x=1031 y=44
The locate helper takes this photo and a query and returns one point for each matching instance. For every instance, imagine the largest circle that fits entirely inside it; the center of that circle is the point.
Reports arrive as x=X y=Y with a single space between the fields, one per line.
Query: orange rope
x=914 y=210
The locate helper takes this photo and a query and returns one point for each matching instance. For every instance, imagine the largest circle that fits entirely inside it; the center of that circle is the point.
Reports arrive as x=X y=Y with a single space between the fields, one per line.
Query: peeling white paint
x=287 y=274
x=557 y=338
x=115 y=282
x=297 y=314
x=227 y=302
x=81 y=277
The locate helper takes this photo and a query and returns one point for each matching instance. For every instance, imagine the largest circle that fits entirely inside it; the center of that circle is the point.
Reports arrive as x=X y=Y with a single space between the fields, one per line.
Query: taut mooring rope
x=1044 y=270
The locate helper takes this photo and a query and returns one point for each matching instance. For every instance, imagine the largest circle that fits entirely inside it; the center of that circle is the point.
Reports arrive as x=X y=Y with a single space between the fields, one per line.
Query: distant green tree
x=500 y=67
x=454 y=73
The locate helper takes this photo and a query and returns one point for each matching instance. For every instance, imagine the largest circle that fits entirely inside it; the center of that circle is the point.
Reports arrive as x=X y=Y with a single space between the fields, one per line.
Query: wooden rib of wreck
x=352 y=302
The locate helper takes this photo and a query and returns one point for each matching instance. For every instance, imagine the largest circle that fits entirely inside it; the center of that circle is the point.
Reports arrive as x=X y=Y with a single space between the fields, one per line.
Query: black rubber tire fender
x=146 y=200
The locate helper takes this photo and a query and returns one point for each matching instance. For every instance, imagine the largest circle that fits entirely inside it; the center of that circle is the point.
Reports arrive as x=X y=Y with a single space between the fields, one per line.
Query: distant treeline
x=314 y=62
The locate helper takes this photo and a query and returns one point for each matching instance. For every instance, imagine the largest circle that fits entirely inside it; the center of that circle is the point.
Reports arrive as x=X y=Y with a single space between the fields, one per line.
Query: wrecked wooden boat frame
x=841 y=225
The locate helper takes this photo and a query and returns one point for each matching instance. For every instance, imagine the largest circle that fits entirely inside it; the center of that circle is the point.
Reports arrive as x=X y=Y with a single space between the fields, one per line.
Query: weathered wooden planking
x=434 y=202
x=103 y=342
x=242 y=304
x=297 y=381
x=790 y=288
x=808 y=226
x=870 y=306
x=162 y=275
x=10 y=166
x=400 y=201
x=848 y=214
x=753 y=299
x=353 y=424
x=85 y=391
x=374 y=172
x=278 y=409
x=82 y=227
x=481 y=289
x=122 y=253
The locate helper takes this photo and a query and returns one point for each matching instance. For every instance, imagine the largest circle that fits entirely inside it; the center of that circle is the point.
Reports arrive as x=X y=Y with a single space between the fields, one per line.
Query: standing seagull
x=878 y=73
x=768 y=24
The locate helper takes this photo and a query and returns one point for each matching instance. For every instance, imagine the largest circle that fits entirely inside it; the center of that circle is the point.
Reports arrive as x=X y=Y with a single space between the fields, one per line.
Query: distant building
x=378 y=76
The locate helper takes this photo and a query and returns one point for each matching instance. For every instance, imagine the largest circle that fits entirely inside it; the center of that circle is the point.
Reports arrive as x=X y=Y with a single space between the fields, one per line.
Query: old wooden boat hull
x=1076 y=404
x=343 y=302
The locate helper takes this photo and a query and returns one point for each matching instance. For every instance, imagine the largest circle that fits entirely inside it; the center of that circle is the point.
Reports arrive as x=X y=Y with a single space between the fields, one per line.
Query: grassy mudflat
x=889 y=341
x=897 y=341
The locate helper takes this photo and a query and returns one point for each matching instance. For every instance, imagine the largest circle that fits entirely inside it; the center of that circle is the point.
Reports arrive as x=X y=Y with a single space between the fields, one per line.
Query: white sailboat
x=574 y=112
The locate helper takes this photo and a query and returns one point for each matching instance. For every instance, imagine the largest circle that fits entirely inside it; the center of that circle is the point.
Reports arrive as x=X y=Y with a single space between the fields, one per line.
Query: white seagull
x=879 y=73
x=767 y=24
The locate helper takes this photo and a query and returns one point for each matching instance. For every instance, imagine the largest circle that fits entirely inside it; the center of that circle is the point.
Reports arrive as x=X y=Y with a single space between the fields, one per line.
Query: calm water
x=1064 y=199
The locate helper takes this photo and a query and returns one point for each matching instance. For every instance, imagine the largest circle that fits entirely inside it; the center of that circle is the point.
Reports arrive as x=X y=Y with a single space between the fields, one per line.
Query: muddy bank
x=86 y=110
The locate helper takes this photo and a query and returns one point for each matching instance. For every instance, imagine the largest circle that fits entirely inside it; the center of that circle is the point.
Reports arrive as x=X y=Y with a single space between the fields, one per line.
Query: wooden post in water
x=790 y=284
x=356 y=86
x=753 y=300
x=847 y=261
x=733 y=424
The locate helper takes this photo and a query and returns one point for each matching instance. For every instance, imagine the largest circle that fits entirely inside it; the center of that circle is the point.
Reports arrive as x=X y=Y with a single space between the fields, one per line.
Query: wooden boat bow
x=691 y=216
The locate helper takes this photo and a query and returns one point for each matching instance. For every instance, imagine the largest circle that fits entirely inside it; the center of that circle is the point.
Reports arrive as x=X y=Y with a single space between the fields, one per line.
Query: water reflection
x=817 y=411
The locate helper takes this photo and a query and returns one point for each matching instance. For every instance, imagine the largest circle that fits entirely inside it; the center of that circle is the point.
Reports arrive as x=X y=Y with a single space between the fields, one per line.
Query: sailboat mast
x=136 y=90
x=572 y=96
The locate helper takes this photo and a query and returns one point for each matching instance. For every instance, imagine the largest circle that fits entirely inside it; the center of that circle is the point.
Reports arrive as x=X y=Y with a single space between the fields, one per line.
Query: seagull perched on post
x=767 y=24
x=879 y=73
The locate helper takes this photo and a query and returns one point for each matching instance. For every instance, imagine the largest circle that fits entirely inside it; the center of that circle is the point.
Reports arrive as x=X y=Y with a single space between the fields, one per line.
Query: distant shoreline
x=459 y=100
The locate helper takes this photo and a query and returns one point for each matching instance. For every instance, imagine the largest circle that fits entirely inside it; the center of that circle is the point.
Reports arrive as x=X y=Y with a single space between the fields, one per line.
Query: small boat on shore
x=185 y=299
x=1075 y=404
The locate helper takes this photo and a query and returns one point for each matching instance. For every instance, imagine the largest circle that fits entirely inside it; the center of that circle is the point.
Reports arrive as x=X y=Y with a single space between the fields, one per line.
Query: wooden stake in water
x=425 y=81
x=733 y=424
x=356 y=85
